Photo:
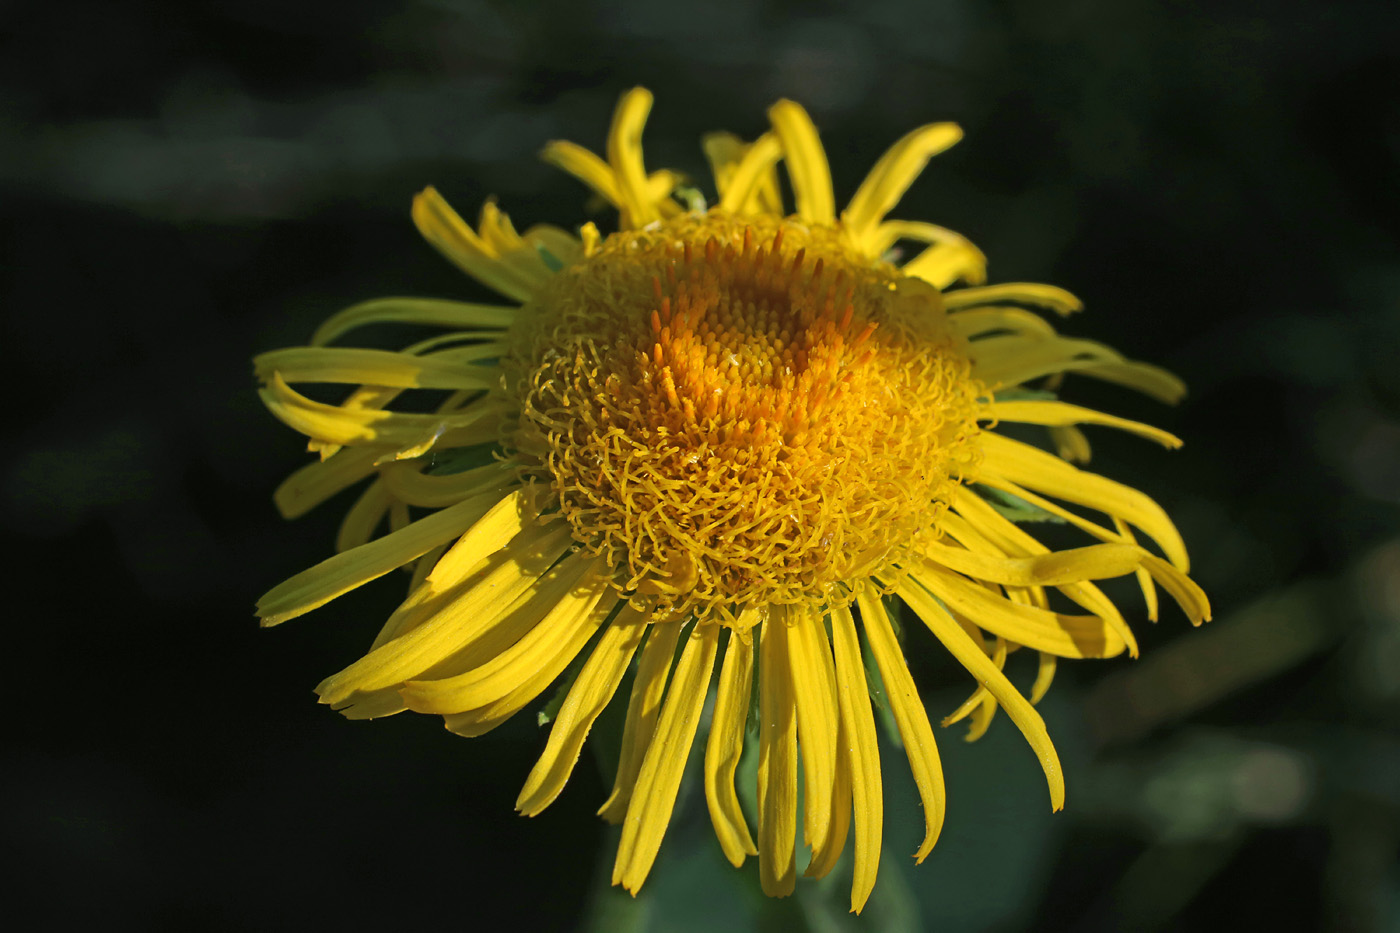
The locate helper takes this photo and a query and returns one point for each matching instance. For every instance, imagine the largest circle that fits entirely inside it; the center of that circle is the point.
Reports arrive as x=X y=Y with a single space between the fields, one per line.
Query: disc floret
x=742 y=413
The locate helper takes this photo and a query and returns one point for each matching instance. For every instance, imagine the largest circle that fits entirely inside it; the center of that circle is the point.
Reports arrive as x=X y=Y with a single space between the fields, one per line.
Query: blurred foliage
x=187 y=184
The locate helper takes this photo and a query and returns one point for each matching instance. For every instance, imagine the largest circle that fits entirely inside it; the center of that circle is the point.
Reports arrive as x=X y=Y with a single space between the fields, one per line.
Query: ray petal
x=981 y=667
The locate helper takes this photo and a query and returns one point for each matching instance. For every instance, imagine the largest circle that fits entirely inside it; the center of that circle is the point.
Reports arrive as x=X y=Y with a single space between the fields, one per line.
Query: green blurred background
x=184 y=185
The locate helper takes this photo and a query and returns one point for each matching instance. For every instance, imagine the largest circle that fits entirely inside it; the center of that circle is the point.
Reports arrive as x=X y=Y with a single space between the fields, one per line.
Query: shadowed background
x=185 y=185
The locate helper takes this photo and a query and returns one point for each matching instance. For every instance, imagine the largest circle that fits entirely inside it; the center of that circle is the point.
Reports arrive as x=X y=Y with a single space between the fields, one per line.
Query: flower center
x=736 y=413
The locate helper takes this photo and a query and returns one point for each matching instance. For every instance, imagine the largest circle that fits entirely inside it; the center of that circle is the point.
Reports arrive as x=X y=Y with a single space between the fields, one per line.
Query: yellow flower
x=732 y=432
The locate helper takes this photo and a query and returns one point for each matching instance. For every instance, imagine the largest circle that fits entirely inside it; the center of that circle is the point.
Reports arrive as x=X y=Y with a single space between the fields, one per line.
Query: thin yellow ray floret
x=892 y=175
x=643 y=707
x=1028 y=466
x=551 y=662
x=806 y=162
x=444 y=228
x=726 y=745
x=455 y=623
x=826 y=856
x=862 y=753
x=909 y=715
x=625 y=157
x=725 y=151
x=337 y=575
x=590 y=694
x=434 y=312
x=813 y=678
x=497 y=677
x=1069 y=636
x=655 y=795
x=777 y=761
x=1030 y=293
x=396 y=430
x=972 y=657
x=752 y=174
x=316 y=482
x=1063 y=414
x=1095 y=562
x=447 y=370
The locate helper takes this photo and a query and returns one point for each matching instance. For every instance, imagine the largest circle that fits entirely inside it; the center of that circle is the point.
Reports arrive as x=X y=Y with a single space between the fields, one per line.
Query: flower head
x=723 y=438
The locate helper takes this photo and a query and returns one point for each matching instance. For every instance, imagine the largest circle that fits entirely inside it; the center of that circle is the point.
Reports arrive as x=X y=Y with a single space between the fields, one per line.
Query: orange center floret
x=739 y=413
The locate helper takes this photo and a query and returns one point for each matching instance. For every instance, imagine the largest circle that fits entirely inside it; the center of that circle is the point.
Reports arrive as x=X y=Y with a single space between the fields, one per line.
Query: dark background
x=184 y=185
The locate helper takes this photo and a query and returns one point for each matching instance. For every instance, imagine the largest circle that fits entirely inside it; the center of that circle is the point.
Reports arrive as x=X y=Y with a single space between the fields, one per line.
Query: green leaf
x=1014 y=507
x=875 y=685
x=693 y=198
x=460 y=459
x=1024 y=395
x=566 y=683
x=551 y=260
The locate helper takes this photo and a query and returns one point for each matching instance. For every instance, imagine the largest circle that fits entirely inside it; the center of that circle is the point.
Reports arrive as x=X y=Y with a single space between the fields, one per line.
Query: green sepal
x=1014 y=507
x=460 y=459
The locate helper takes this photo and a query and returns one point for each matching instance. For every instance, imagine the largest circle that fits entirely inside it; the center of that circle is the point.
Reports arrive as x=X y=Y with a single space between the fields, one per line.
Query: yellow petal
x=1027 y=293
x=813 y=677
x=483 y=719
x=1012 y=360
x=1144 y=578
x=660 y=777
x=582 y=586
x=1150 y=380
x=1025 y=465
x=909 y=715
x=498 y=233
x=642 y=709
x=447 y=370
x=1071 y=444
x=861 y=751
x=1190 y=597
x=982 y=706
x=1044 y=675
x=588 y=697
x=625 y=157
x=1096 y=562
x=434 y=312
x=394 y=430
x=1010 y=539
x=369 y=397
x=806 y=162
x=454 y=620
x=753 y=170
x=345 y=571
x=424 y=565
x=893 y=174
x=586 y=167
x=504 y=527
x=970 y=656
x=316 y=482
x=1061 y=414
x=975 y=322
x=950 y=257
x=942 y=265
x=725 y=151
x=362 y=518
x=485 y=643
x=777 y=760
x=444 y=228
x=887 y=234
x=825 y=856
x=409 y=484
x=726 y=746
x=1069 y=636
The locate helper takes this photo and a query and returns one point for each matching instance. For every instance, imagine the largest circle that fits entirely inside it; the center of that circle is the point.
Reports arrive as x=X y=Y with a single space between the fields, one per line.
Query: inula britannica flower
x=720 y=444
